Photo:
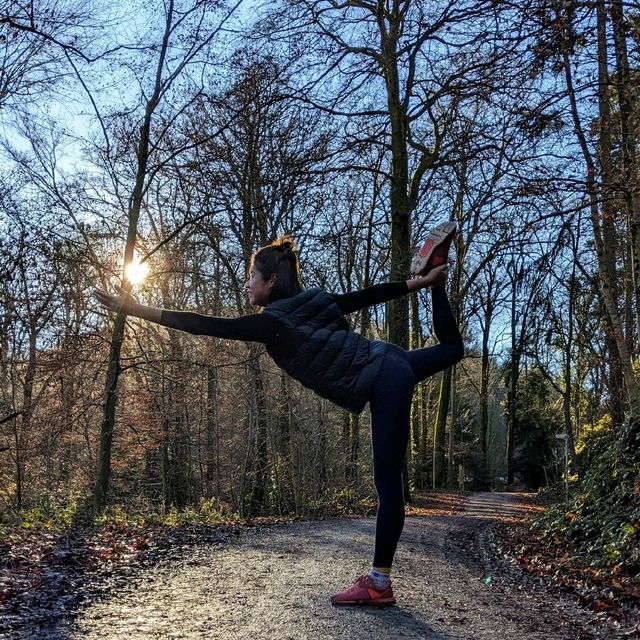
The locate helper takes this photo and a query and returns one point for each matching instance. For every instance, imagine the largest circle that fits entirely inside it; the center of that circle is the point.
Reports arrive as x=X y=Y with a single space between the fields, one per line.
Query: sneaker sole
x=382 y=602
x=421 y=259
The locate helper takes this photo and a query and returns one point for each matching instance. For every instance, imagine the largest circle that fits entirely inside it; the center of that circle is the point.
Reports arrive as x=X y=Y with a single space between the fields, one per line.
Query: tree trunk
x=179 y=441
x=400 y=206
x=567 y=392
x=410 y=459
x=291 y=440
x=259 y=488
x=629 y=177
x=354 y=451
x=346 y=440
x=212 y=471
x=603 y=251
x=117 y=336
x=351 y=439
x=109 y=413
x=615 y=383
x=426 y=393
x=451 y=471
x=514 y=374
x=439 y=470
x=297 y=476
x=484 y=388
x=322 y=470
x=439 y=433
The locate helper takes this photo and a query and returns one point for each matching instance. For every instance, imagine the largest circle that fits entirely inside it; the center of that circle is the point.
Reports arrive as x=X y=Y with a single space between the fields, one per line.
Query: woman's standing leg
x=390 y=413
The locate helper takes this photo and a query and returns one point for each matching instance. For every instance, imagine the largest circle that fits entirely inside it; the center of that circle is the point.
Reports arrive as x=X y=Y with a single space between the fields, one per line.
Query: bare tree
x=37 y=41
x=605 y=249
x=261 y=175
x=425 y=59
x=525 y=277
x=31 y=292
x=166 y=74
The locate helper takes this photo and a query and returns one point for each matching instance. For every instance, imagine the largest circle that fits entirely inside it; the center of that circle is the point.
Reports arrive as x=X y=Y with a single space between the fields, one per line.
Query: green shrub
x=350 y=500
x=207 y=511
x=602 y=519
x=49 y=512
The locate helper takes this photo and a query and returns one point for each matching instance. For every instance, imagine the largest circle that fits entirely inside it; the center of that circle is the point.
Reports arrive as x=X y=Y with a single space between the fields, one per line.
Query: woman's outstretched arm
x=252 y=328
x=256 y=327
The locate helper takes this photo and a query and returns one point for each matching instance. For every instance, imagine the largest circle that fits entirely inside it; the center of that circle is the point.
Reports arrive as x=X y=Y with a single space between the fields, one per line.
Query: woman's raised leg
x=425 y=362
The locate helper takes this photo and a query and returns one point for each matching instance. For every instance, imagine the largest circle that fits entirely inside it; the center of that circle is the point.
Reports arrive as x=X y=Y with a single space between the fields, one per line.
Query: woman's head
x=274 y=272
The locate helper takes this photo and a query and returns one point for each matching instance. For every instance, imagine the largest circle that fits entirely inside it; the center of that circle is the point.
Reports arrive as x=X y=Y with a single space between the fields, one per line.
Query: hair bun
x=287 y=244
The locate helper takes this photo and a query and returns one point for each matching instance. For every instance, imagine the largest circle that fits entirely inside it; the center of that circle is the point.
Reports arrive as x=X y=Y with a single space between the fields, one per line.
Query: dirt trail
x=275 y=582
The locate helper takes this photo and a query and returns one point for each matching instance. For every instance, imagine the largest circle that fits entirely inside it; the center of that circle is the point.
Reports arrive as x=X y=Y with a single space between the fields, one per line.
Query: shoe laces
x=359 y=582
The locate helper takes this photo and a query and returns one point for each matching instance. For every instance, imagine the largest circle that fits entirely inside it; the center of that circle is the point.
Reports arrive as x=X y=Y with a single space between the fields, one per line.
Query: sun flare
x=136 y=271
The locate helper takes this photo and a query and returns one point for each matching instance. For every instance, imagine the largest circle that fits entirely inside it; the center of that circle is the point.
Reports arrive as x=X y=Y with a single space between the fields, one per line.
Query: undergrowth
x=49 y=513
x=601 y=522
x=56 y=513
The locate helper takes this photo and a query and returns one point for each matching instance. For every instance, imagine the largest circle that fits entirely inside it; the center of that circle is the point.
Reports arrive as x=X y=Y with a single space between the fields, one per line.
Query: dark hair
x=280 y=258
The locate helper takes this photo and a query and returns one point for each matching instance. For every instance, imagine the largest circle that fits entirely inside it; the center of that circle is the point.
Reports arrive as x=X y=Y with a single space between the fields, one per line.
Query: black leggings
x=390 y=412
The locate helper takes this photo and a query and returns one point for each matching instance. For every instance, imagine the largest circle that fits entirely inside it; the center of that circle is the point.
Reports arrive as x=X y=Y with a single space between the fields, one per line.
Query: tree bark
x=514 y=374
x=438 y=476
x=400 y=207
x=259 y=488
x=567 y=373
x=484 y=383
x=615 y=382
x=212 y=468
x=451 y=467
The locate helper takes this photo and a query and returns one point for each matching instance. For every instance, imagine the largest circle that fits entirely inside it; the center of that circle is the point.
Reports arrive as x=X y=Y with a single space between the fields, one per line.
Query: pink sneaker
x=434 y=250
x=364 y=591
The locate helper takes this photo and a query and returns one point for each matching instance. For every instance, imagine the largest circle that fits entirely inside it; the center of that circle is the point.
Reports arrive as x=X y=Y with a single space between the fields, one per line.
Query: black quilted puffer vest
x=337 y=363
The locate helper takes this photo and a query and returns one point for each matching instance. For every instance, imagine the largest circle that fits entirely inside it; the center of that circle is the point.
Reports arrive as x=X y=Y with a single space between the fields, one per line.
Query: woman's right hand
x=122 y=303
x=437 y=277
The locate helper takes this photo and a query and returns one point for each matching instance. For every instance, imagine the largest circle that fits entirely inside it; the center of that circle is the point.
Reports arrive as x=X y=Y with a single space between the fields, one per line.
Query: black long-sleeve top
x=257 y=327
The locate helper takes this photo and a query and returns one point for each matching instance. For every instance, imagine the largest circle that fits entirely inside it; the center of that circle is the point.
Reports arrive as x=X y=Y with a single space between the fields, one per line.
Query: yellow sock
x=386 y=570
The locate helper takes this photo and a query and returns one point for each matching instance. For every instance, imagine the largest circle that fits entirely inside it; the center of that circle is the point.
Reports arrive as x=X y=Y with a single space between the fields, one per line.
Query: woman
x=307 y=335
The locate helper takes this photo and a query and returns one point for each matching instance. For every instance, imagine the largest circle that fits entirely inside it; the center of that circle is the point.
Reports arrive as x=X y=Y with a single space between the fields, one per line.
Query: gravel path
x=274 y=582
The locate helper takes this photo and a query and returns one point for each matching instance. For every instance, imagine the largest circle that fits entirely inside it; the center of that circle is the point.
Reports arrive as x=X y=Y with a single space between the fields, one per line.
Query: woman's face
x=257 y=288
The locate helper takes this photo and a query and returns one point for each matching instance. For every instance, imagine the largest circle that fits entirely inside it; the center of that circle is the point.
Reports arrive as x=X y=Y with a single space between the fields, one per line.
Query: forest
x=157 y=145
